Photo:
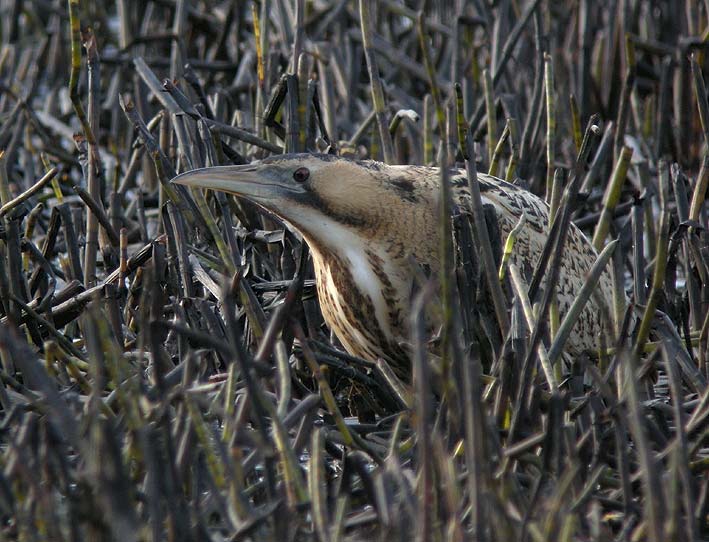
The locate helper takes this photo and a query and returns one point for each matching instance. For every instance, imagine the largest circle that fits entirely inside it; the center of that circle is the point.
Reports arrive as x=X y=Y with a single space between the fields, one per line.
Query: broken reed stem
x=700 y=93
x=460 y=119
x=400 y=115
x=658 y=279
x=511 y=172
x=556 y=192
x=93 y=181
x=497 y=153
x=445 y=244
x=74 y=74
x=580 y=301
x=364 y=128
x=700 y=190
x=521 y=293
x=29 y=232
x=576 y=132
x=217 y=235
x=375 y=82
x=55 y=182
x=299 y=36
x=242 y=135
x=289 y=467
x=628 y=84
x=551 y=122
x=27 y=194
x=490 y=113
x=177 y=61
x=123 y=258
x=612 y=197
x=481 y=234
x=100 y=214
x=509 y=245
x=427 y=130
x=304 y=104
x=475 y=433
x=555 y=199
x=647 y=464
x=431 y=72
x=261 y=41
x=423 y=412
x=559 y=228
x=317 y=486
x=89 y=125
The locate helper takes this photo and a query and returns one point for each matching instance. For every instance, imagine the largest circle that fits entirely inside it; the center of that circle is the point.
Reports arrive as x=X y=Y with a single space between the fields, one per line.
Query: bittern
x=368 y=224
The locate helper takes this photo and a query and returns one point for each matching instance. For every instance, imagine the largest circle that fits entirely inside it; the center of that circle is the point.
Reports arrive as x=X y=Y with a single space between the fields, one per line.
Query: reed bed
x=165 y=373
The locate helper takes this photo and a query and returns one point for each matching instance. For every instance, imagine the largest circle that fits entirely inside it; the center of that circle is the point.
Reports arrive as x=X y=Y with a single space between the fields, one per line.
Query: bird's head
x=320 y=195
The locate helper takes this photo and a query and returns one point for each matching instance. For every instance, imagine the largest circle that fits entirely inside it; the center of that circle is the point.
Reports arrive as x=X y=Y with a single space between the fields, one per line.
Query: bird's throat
x=359 y=301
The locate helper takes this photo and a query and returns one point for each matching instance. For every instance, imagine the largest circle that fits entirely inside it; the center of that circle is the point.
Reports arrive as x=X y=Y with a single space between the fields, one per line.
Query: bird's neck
x=358 y=294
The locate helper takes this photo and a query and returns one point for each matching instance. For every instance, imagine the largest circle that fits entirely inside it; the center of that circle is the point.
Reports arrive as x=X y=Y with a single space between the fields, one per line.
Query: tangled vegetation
x=165 y=371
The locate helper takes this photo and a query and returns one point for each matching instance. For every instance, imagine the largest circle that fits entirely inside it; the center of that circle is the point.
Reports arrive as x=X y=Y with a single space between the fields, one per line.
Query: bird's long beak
x=249 y=181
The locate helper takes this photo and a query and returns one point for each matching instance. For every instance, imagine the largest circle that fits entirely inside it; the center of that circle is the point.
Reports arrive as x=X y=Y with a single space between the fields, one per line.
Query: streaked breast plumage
x=369 y=225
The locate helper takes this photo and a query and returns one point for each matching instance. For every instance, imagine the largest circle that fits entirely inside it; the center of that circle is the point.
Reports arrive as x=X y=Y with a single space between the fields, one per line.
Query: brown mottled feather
x=369 y=225
x=418 y=184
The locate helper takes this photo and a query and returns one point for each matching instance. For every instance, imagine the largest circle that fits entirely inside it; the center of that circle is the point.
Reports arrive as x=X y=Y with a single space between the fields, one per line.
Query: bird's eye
x=301 y=174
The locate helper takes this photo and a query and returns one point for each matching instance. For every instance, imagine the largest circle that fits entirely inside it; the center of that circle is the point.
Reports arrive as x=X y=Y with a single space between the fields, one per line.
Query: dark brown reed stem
x=483 y=239
x=375 y=82
x=431 y=72
x=700 y=93
x=27 y=194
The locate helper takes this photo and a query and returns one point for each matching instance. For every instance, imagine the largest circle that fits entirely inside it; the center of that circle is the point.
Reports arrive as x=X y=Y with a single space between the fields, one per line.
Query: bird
x=369 y=225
